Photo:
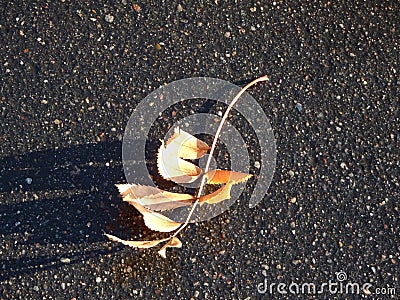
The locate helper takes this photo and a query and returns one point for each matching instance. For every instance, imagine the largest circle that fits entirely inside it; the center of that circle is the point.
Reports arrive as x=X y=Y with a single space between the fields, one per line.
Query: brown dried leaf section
x=173 y=164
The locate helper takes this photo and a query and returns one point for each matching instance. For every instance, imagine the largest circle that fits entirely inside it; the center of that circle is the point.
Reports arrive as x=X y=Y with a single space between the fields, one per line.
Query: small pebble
x=179 y=8
x=65 y=260
x=98 y=279
x=109 y=18
x=28 y=180
x=296 y=261
x=299 y=107
x=136 y=7
x=36 y=288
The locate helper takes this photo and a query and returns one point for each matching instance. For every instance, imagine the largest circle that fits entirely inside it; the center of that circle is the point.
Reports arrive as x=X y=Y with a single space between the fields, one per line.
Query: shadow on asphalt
x=71 y=200
x=66 y=197
x=77 y=167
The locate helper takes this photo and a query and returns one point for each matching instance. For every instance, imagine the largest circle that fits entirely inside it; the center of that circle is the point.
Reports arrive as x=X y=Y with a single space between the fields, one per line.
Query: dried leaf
x=173 y=243
x=153 y=198
x=156 y=221
x=225 y=176
x=135 y=244
x=220 y=177
x=223 y=193
x=123 y=189
x=171 y=167
x=169 y=205
x=185 y=145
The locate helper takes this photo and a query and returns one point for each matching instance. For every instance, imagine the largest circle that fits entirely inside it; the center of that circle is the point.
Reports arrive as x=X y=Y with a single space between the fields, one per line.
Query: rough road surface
x=73 y=71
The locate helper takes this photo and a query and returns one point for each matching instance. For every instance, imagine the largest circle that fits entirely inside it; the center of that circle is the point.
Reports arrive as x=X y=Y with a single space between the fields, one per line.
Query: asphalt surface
x=73 y=71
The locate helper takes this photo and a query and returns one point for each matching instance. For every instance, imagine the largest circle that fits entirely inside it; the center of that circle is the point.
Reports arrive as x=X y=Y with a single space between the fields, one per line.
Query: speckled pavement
x=73 y=71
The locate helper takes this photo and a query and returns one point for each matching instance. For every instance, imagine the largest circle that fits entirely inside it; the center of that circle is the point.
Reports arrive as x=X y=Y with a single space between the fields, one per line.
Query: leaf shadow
x=71 y=200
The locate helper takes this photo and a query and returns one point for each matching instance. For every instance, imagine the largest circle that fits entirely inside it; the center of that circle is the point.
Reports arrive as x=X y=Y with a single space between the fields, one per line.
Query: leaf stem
x=214 y=144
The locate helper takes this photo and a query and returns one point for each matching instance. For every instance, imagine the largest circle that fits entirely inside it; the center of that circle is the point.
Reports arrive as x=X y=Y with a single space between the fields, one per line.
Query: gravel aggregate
x=73 y=71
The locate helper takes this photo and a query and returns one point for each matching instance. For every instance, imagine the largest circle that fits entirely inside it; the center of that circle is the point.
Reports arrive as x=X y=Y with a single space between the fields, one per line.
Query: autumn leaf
x=229 y=178
x=123 y=189
x=225 y=176
x=171 y=157
x=152 y=197
x=185 y=145
x=223 y=193
x=156 y=221
x=135 y=244
x=171 y=167
x=173 y=243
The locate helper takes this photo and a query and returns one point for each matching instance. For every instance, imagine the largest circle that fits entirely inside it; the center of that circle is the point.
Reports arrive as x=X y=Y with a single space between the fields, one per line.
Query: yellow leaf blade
x=225 y=176
x=153 y=198
x=223 y=193
x=156 y=221
x=185 y=145
x=171 y=167
x=134 y=244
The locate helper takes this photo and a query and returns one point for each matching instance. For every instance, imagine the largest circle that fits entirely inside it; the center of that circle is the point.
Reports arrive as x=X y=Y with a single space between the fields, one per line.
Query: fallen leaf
x=169 y=205
x=229 y=178
x=171 y=167
x=173 y=243
x=152 y=197
x=185 y=145
x=143 y=191
x=123 y=189
x=156 y=221
x=135 y=244
x=225 y=176
x=223 y=193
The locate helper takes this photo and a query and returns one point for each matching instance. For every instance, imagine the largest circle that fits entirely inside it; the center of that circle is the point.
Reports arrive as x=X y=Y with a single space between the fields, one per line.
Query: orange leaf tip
x=174 y=242
x=225 y=176
x=185 y=145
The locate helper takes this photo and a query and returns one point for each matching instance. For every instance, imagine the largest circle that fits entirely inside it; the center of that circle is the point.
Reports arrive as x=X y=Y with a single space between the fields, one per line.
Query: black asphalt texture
x=72 y=72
